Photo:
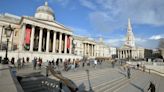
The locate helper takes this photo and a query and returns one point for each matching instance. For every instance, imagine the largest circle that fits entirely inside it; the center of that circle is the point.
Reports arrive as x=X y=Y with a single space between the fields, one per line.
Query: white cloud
x=112 y=14
x=88 y=4
x=140 y=42
x=156 y=37
x=64 y=3
x=118 y=42
x=80 y=31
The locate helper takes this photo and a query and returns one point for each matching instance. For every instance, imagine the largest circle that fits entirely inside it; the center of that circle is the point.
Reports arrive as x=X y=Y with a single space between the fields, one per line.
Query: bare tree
x=161 y=43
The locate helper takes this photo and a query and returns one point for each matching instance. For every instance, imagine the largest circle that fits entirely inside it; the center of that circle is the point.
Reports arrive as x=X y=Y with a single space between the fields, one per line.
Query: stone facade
x=42 y=36
x=37 y=36
x=88 y=47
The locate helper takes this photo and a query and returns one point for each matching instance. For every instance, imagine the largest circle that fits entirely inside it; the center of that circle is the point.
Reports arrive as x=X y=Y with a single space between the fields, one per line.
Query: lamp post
x=89 y=83
x=8 y=31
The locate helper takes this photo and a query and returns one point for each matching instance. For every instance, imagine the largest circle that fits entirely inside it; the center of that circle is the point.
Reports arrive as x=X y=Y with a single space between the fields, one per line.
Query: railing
x=13 y=74
x=147 y=69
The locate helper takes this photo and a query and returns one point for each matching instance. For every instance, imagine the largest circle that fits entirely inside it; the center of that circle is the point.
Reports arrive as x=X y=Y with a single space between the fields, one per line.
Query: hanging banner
x=68 y=42
x=27 y=37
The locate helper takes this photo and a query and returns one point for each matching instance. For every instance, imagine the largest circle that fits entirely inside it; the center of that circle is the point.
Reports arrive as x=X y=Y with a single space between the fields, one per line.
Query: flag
x=27 y=37
x=68 y=42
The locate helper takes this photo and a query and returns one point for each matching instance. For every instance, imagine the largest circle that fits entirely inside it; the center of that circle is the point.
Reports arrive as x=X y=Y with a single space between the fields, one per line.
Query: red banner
x=68 y=42
x=27 y=37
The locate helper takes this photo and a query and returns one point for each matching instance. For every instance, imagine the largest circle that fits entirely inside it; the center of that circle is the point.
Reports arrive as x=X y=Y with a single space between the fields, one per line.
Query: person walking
x=151 y=87
x=128 y=72
x=19 y=63
x=40 y=63
x=83 y=64
x=113 y=63
x=144 y=67
x=34 y=63
x=23 y=62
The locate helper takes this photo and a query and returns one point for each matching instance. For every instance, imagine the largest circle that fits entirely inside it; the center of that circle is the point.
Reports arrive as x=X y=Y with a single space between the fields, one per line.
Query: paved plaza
x=102 y=79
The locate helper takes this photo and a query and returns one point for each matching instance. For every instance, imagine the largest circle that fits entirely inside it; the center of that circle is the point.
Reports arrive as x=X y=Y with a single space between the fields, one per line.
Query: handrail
x=148 y=69
x=66 y=81
x=4 y=69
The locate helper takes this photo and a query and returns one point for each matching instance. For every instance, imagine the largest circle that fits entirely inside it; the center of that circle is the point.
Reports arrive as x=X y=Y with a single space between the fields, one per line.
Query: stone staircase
x=114 y=80
x=102 y=80
x=38 y=83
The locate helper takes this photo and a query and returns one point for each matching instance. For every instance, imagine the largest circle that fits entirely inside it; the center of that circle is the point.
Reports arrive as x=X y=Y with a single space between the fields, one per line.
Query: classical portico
x=88 y=49
x=42 y=34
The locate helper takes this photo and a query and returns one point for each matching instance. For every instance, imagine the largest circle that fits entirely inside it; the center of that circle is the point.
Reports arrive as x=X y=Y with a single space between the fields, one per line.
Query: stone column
x=120 y=54
x=85 y=46
x=83 y=49
x=65 y=48
x=47 y=40
x=93 y=50
x=54 y=43
x=21 y=39
x=70 y=45
x=88 y=50
x=1 y=29
x=126 y=54
x=32 y=38
x=129 y=54
x=123 y=55
x=60 y=42
x=40 y=39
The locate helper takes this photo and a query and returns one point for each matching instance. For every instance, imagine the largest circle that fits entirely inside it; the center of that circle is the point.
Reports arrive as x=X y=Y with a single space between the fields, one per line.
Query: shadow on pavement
x=141 y=89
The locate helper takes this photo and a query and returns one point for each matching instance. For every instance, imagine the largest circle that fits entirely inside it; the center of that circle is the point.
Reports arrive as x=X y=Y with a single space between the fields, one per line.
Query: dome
x=44 y=12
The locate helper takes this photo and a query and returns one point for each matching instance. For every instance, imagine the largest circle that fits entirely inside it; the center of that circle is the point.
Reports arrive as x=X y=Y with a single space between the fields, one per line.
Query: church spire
x=129 y=25
x=46 y=3
x=130 y=40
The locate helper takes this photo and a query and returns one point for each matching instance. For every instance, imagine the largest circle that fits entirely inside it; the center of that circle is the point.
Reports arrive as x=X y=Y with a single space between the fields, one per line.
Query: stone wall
x=45 y=56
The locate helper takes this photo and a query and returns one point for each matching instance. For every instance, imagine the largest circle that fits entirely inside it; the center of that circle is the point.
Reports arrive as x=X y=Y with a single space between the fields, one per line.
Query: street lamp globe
x=8 y=31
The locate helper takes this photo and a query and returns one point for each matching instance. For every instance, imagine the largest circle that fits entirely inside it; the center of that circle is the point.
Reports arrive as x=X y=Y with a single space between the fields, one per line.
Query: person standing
x=95 y=63
x=57 y=63
x=138 y=66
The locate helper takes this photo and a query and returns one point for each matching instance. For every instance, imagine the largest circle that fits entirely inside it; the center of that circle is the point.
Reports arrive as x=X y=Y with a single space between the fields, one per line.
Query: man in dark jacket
x=151 y=87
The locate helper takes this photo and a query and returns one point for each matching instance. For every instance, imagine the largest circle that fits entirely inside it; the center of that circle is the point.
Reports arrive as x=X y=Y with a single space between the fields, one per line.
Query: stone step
x=115 y=86
x=109 y=84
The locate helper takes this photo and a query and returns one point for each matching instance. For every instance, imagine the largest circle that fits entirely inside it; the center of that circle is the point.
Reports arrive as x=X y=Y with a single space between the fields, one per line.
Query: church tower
x=130 y=40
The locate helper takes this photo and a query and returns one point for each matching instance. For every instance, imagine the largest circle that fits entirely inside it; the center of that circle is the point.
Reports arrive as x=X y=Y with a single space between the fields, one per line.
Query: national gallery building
x=41 y=36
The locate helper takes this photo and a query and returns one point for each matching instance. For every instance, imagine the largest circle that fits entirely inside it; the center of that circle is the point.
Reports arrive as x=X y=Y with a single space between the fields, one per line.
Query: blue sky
x=105 y=18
